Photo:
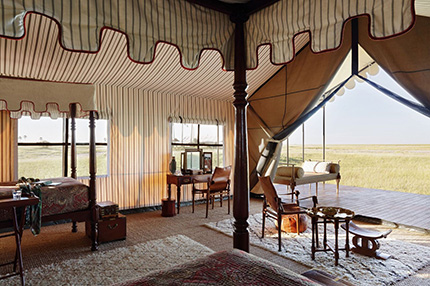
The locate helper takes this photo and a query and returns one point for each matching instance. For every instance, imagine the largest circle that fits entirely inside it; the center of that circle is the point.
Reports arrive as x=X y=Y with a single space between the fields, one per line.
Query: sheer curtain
x=8 y=151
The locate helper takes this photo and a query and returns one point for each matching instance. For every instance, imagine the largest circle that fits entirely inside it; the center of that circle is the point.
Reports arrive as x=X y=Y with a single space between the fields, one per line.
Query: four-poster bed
x=67 y=198
x=236 y=31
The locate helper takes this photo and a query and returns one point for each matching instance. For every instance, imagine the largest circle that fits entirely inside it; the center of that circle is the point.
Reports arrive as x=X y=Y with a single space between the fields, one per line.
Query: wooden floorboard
x=404 y=209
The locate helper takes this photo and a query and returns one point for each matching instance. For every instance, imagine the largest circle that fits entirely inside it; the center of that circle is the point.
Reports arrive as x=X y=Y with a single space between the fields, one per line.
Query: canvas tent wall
x=405 y=58
x=236 y=31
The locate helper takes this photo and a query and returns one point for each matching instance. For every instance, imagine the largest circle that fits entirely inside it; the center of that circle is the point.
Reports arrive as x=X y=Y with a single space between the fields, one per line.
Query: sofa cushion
x=322 y=167
x=309 y=166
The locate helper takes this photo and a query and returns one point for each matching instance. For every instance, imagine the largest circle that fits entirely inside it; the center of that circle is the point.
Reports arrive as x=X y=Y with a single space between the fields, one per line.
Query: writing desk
x=9 y=203
x=182 y=180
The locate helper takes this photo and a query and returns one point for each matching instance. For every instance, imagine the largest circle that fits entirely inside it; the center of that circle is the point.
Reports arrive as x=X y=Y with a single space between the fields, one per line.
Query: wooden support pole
x=241 y=187
x=66 y=148
x=93 y=171
x=73 y=153
x=354 y=47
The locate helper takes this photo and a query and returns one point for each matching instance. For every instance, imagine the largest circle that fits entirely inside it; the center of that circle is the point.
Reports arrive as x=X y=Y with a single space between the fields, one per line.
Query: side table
x=333 y=215
x=22 y=204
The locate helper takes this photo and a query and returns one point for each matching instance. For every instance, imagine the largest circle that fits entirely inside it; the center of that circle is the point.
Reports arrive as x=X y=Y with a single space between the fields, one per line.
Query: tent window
x=207 y=137
x=42 y=145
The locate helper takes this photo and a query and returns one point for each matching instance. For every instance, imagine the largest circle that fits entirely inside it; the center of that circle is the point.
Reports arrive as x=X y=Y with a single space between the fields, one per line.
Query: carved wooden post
x=66 y=148
x=73 y=153
x=93 y=171
x=240 y=188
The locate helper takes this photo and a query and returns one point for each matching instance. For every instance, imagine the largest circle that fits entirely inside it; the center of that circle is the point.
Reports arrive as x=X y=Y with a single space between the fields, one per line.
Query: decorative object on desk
x=407 y=258
x=172 y=165
x=207 y=162
x=191 y=161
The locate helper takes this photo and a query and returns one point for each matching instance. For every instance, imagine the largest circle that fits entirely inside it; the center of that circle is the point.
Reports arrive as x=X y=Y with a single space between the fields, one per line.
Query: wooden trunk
x=109 y=229
x=289 y=223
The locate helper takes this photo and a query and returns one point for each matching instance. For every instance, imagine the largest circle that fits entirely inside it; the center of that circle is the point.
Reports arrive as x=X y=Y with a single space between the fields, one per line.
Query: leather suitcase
x=110 y=229
x=107 y=209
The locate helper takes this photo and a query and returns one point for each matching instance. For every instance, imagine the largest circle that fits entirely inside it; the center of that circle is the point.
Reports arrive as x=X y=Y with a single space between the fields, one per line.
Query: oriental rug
x=407 y=258
x=116 y=265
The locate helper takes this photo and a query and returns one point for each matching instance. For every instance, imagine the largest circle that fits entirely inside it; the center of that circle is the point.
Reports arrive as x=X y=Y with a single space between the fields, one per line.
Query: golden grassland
x=404 y=168
x=46 y=161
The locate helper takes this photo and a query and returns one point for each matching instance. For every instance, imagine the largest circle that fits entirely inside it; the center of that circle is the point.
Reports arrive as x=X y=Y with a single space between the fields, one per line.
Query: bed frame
x=88 y=214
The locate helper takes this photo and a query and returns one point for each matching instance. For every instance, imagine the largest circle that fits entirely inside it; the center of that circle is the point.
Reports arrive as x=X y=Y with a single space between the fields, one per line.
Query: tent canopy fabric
x=148 y=23
x=406 y=58
x=37 y=97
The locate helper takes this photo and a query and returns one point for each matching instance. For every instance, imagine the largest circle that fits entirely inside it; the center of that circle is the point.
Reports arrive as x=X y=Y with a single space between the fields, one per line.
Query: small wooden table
x=179 y=181
x=22 y=203
x=334 y=215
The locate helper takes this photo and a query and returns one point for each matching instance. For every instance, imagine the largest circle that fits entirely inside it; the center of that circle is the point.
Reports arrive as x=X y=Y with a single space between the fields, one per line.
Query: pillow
x=285 y=171
x=309 y=166
x=322 y=167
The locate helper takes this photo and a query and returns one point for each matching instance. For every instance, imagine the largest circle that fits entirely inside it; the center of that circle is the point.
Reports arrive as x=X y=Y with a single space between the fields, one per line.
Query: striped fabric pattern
x=193 y=28
x=38 y=55
x=139 y=142
x=279 y=24
x=190 y=27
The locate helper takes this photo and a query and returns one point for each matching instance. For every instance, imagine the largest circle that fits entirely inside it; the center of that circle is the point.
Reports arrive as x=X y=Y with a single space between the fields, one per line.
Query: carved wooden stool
x=365 y=241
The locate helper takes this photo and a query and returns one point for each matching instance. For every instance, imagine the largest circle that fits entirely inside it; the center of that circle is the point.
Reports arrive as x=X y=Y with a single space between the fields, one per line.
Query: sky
x=364 y=115
x=51 y=130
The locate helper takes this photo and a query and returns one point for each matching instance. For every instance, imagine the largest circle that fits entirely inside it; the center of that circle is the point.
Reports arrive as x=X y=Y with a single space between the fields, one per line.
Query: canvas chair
x=218 y=184
x=274 y=207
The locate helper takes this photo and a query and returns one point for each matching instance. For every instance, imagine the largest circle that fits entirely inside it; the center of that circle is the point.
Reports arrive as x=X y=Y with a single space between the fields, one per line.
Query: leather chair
x=275 y=208
x=218 y=184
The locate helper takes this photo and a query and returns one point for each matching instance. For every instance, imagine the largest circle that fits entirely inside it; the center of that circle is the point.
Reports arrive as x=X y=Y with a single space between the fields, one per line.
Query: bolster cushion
x=286 y=171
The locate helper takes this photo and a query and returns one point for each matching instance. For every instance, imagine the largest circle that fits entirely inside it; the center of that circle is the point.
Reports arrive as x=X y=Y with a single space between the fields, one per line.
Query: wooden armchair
x=218 y=184
x=274 y=208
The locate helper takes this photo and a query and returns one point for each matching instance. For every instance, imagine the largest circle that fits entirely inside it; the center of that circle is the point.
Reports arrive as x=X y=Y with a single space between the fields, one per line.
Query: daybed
x=311 y=172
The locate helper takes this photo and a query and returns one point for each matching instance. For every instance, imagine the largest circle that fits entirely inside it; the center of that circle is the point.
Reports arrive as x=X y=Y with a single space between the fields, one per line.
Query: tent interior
x=257 y=68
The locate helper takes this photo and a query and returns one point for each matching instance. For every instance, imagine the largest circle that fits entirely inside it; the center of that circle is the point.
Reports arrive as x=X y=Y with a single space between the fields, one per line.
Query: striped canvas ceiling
x=38 y=55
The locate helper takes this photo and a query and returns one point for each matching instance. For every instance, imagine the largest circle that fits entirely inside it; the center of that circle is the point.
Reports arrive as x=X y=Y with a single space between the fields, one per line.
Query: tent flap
x=404 y=58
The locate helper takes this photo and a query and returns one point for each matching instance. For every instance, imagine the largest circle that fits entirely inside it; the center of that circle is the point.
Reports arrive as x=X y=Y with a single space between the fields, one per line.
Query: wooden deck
x=404 y=209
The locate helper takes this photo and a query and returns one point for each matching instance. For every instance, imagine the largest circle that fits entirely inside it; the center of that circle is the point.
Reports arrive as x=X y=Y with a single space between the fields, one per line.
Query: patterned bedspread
x=69 y=196
x=233 y=267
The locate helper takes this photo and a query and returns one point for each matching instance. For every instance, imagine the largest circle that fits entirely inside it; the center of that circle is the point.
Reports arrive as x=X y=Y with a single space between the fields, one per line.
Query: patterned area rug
x=117 y=265
x=357 y=269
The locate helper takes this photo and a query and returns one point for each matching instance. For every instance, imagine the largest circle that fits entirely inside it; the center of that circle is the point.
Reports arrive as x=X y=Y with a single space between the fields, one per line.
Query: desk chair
x=218 y=184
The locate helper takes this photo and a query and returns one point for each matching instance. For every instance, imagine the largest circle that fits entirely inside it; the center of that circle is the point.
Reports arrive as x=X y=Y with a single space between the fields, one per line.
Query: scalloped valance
x=43 y=98
x=283 y=25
